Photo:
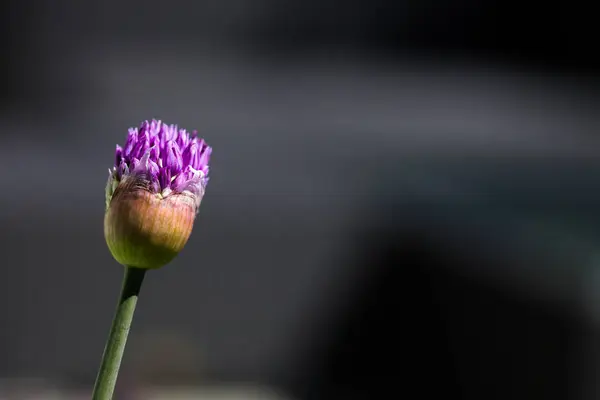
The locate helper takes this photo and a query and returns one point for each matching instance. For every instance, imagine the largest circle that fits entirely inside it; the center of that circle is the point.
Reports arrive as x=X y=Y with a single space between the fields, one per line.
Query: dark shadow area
x=417 y=328
x=550 y=35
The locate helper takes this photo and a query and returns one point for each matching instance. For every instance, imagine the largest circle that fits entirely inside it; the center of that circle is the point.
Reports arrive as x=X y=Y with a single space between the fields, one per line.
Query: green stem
x=115 y=345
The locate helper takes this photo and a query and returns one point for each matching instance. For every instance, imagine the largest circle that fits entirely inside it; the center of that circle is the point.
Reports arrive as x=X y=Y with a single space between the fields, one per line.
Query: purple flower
x=153 y=193
x=167 y=159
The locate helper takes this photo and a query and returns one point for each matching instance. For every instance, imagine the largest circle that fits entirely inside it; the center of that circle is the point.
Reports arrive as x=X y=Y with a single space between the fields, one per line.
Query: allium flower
x=153 y=194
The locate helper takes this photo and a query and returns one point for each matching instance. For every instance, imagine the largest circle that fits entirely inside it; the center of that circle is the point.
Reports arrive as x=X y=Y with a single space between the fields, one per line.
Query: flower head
x=169 y=159
x=153 y=193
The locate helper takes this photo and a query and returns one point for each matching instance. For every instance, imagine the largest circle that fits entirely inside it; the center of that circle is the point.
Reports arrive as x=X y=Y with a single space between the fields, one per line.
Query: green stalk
x=115 y=345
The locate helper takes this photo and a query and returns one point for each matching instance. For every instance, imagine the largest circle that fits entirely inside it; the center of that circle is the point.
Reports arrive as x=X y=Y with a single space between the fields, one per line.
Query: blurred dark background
x=403 y=203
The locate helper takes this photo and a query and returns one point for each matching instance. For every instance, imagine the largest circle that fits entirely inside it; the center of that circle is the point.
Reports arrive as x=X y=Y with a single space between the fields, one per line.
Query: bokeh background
x=404 y=202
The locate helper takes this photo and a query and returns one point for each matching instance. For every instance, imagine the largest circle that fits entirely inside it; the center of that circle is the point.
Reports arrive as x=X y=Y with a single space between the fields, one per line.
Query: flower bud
x=153 y=194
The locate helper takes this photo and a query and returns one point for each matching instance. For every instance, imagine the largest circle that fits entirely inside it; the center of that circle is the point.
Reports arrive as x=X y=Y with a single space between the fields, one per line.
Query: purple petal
x=173 y=160
x=130 y=143
x=155 y=126
x=189 y=154
x=155 y=141
x=187 y=177
x=153 y=168
x=182 y=139
x=140 y=148
x=154 y=153
x=162 y=136
x=204 y=159
x=164 y=178
x=133 y=165
x=122 y=169
x=172 y=132
x=118 y=155
x=179 y=182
